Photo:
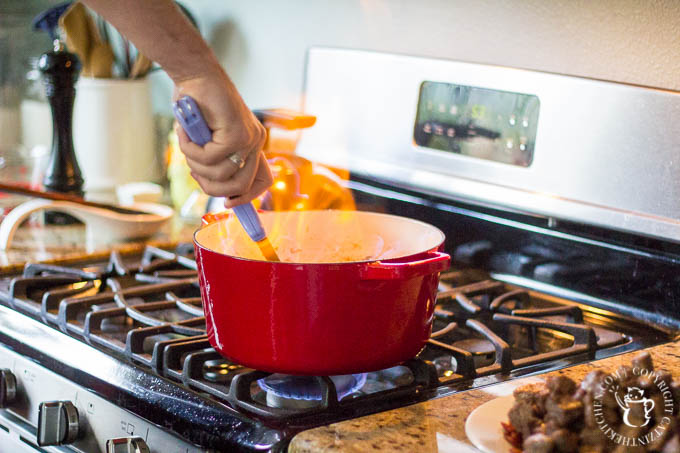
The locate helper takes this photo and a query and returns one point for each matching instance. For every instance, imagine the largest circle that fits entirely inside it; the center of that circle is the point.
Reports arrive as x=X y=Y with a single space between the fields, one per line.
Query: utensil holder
x=114 y=133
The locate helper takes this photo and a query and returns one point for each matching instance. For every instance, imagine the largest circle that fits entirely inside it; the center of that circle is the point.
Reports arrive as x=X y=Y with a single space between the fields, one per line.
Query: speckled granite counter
x=39 y=243
x=438 y=426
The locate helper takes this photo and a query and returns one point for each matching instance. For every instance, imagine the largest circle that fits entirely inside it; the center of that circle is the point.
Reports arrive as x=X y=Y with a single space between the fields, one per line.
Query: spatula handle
x=190 y=118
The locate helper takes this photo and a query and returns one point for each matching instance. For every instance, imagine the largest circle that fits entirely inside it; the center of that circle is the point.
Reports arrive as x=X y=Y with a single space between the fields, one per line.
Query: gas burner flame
x=307 y=388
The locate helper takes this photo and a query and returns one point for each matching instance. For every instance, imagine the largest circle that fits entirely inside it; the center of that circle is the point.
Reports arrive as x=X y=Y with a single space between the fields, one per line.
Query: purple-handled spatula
x=190 y=118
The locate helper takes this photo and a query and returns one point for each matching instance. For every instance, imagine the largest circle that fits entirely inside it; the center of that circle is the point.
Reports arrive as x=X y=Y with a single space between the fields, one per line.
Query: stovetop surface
x=145 y=311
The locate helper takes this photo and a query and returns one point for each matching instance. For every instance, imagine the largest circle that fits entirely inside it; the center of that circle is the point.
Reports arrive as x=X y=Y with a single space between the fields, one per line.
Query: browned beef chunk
x=643 y=360
x=673 y=445
x=592 y=437
x=533 y=393
x=523 y=417
x=563 y=411
x=628 y=449
x=565 y=441
x=592 y=380
x=591 y=449
x=624 y=375
x=528 y=409
x=630 y=433
x=538 y=443
x=659 y=435
x=675 y=388
x=560 y=385
x=659 y=408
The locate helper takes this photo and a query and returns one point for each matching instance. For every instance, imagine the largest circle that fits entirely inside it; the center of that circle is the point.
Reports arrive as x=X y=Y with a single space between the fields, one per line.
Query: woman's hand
x=238 y=136
x=162 y=33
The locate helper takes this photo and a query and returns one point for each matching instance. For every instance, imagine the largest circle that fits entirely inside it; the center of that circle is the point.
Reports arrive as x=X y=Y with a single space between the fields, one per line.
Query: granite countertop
x=438 y=426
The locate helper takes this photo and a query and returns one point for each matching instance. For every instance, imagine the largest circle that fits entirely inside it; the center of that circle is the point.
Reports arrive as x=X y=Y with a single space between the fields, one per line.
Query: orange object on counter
x=284 y=119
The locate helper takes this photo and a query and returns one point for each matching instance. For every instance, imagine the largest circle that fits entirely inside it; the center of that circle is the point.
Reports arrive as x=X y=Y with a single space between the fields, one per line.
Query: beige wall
x=262 y=43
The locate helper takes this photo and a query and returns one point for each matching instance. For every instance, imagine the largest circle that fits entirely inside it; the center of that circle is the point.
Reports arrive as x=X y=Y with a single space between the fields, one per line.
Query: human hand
x=234 y=130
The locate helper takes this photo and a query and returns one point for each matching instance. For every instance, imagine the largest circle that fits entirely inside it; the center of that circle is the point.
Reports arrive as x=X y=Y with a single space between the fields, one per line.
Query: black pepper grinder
x=60 y=70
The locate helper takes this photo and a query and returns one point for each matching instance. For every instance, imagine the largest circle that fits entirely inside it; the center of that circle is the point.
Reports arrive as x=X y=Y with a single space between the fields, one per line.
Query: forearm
x=162 y=33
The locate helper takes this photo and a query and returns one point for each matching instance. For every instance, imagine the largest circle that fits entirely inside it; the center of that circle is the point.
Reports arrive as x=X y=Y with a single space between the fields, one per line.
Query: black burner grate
x=147 y=310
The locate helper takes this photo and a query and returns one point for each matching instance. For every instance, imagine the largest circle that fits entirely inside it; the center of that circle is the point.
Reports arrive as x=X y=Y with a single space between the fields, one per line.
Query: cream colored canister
x=113 y=132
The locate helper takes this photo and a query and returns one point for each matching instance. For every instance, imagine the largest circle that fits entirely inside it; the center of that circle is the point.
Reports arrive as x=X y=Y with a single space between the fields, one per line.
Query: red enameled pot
x=359 y=295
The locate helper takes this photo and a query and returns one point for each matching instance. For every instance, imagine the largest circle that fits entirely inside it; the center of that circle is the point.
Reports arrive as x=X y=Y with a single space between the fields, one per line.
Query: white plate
x=483 y=426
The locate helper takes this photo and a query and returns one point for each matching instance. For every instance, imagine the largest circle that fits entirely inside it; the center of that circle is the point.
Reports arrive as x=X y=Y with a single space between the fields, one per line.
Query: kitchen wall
x=262 y=44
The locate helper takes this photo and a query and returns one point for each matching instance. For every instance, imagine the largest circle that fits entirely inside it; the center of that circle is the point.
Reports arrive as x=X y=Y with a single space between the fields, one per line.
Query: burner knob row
x=8 y=388
x=127 y=445
x=58 y=423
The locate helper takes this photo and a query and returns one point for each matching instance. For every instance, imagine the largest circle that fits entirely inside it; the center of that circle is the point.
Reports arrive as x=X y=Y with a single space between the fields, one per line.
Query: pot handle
x=380 y=270
x=213 y=217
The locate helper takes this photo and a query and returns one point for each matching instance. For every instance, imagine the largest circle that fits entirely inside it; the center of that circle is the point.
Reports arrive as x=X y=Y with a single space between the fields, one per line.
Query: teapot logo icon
x=634 y=399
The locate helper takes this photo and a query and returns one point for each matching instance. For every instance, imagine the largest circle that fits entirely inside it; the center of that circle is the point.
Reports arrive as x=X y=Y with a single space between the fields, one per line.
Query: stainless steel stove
x=114 y=351
x=110 y=354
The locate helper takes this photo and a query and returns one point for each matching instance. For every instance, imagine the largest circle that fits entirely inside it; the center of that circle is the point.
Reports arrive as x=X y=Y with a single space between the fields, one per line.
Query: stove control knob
x=127 y=445
x=8 y=388
x=58 y=423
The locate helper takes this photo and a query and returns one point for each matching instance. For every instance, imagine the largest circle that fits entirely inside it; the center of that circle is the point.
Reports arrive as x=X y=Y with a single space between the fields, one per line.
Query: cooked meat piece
x=591 y=449
x=659 y=408
x=628 y=449
x=673 y=445
x=523 y=417
x=593 y=414
x=565 y=441
x=560 y=385
x=531 y=393
x=625 y=376
x=538 y=443
x=608 y=399
x=630 y=433
x=592 y=437
x=563 y=417
x=590 y=383
x=564 y=411
x=665 y=433
x=643 y=360
x=675 y=388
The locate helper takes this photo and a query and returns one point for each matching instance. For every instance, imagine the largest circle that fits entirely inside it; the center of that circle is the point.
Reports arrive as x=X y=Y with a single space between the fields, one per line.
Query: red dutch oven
x=355 y=291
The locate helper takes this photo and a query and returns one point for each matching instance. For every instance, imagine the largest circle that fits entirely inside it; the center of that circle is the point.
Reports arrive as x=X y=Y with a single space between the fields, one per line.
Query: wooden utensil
x=101 y=61
x=140 y=67
x=82 y=37
x=16 y=189
x=78 y=38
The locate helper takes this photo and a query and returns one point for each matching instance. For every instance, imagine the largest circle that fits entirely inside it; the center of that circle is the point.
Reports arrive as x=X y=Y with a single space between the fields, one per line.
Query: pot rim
x=329 y=263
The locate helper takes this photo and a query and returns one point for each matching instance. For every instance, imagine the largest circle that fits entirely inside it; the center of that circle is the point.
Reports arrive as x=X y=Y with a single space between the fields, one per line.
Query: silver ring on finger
x=239 y=161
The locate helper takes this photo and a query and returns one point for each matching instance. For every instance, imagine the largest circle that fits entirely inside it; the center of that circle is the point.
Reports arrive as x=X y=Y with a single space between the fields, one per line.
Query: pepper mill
x=60 y=70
